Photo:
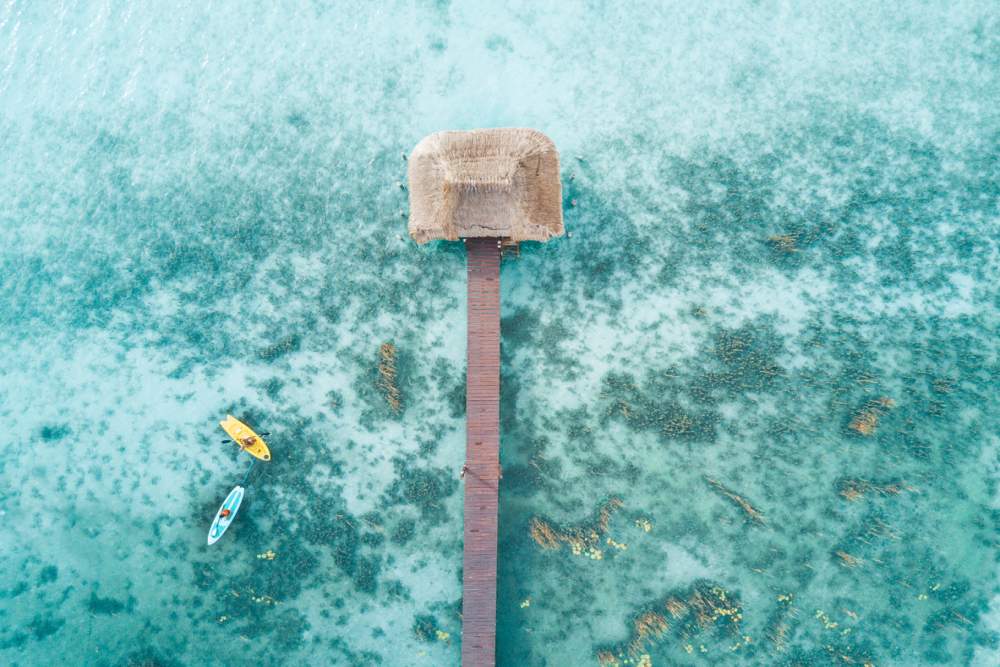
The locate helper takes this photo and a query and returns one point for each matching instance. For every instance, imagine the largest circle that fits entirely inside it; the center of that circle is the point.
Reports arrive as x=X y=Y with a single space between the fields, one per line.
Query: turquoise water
x=750 y=407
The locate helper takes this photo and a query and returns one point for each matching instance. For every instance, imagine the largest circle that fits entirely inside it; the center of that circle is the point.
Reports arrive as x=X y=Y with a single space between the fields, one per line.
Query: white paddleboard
x=231 y=503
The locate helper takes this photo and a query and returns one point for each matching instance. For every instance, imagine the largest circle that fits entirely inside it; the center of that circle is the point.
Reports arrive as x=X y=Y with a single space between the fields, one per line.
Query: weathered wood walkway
x=482 y=455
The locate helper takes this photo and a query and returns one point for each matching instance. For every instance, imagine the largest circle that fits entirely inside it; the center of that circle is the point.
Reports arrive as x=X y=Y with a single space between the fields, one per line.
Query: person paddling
x=224 y=514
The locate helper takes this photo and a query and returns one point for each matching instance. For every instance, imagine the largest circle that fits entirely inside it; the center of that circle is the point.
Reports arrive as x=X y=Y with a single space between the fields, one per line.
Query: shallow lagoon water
x=749 y=406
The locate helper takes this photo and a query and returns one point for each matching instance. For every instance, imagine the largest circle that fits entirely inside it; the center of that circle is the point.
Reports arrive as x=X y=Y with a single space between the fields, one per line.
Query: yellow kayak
x=244 y=436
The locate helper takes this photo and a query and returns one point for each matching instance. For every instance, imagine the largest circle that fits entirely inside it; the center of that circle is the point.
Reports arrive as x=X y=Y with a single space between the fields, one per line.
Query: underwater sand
x=750 y=407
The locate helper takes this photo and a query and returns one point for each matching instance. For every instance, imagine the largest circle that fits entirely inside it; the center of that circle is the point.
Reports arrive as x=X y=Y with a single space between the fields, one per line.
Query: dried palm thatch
x=855 y=489
x=545 y=535
x=498 y=183
x=387 y=375
x=647 y=628
x=752 y=512
x=582 y=539
x=703 y=607
x=676 y=607
x=846 y=559
x=866 y=420
x=784 y=242
x=606 y=658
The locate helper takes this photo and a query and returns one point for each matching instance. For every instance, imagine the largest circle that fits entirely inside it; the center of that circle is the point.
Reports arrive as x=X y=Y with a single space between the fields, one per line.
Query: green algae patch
x=147 y=657
x=48 y=575
x=403 y=531
x=426 y=629
x=747 y=357
x=54 y=432
x=16 y=641
x=280 y=348
x=340 y=532
x=45 y=626
x=646 y=406
x=424 y=488
x=290 y=627
x=108 y=606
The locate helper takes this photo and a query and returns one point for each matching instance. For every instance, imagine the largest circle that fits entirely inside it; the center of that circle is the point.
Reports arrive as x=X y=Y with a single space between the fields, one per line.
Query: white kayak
x=231 y=503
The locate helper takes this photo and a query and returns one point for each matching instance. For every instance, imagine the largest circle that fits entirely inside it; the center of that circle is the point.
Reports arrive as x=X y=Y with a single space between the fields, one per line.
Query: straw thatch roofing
x=501 y=183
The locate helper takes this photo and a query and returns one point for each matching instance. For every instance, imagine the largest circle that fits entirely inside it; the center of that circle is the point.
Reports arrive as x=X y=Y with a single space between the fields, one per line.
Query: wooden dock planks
x=482 y=455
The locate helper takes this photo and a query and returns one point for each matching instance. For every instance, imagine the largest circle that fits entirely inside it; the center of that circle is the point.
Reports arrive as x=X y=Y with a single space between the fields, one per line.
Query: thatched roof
x=500 y=183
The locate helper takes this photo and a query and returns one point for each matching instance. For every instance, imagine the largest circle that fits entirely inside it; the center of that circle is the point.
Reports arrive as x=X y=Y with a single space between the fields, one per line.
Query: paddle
x=261 y=434
x=247 y=476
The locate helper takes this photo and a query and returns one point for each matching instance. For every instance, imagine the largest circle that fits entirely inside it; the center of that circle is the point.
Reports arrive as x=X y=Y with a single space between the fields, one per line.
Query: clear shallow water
x=764 y=366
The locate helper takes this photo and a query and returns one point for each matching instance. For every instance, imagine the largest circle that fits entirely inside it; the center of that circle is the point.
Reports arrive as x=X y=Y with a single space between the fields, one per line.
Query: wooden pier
x=482 y=455
x=494 y=187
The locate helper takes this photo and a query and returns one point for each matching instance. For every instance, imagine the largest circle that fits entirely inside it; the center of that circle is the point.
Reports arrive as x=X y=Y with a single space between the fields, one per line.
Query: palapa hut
x=487 y=188
x=500 y=183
